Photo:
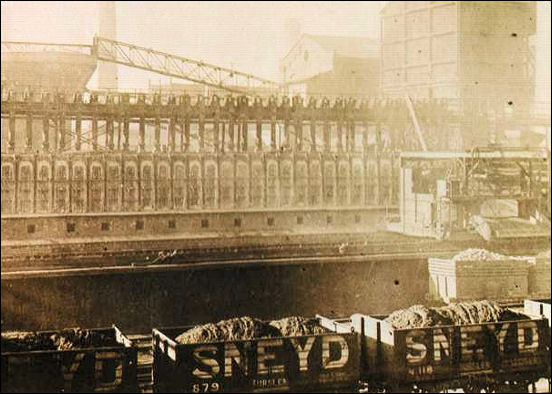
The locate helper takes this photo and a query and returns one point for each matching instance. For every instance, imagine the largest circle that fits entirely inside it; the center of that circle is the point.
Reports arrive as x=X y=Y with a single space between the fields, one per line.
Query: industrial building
x=455 y=49
x=318 y=66
x=477 y=55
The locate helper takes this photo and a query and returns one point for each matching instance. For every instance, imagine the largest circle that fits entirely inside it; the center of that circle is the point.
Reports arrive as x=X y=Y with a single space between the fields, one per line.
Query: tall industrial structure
x=457 y=49
x=476 y=53
x=107 y=27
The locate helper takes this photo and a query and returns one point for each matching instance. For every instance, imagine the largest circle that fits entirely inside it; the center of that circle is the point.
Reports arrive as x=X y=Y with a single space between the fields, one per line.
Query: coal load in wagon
x=476 y=312
x=247 y=328
x=75 y=338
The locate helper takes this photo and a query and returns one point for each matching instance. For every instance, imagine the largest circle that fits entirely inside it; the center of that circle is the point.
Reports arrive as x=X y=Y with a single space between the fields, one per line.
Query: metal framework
x=181 y=67
x=158 y=62
x=19 y=46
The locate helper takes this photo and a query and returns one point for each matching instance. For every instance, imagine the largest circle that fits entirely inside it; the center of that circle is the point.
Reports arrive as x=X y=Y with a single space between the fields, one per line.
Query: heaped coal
x=239 y=328
x=77 y=338
x=475 y=312
x=25 y=342
x=246 y=328
x=74 y=338
x=296 y=326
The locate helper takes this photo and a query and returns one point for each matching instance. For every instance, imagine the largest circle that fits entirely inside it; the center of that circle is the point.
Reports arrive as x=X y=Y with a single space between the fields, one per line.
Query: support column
x=172 y=131
x=273 y=133
x=62 y=132
x=94 y=133
x=340 y=136
x=78 y=132
x=365 y=137
x=245 y=134
x=57 y=133
x=216 y=134
x=231 y=134
x=29 y=135
x=142 y=135
x=11 y=133
x=45 y=133
x=201 y=131
x=352 y=137
x=109 y=133
x=119 y=133
x=313 y=134
x=259 y=135
x=222 y=139
x=299 y=134
x=239 y=143
x=187 y=135
x=126 y=133
x=327 y=136
x=157 y=136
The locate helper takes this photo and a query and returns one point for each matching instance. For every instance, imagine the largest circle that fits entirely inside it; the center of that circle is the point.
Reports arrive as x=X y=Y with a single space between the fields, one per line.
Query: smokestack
x=107 y=72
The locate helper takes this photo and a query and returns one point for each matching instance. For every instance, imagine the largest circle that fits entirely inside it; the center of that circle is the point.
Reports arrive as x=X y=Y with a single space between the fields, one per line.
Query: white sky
x=249 y=36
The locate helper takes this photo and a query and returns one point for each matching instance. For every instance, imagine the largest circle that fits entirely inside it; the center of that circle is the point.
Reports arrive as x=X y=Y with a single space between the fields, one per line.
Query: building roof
x=360 y=47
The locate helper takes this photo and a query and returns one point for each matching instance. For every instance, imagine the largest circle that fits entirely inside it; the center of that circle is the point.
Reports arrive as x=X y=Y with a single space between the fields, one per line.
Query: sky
x=249 y=36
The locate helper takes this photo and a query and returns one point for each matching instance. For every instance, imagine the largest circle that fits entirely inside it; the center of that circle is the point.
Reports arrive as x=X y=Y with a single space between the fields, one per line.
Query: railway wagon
x=110 y=368
x=495 y=357
x=504 y=280
x=321 y=362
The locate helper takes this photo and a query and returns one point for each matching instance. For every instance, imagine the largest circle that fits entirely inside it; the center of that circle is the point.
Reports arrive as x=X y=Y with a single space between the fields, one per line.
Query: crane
x=158 y=62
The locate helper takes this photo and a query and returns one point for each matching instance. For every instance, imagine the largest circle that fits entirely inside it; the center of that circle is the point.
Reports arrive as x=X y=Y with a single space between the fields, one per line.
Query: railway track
x=288 y=247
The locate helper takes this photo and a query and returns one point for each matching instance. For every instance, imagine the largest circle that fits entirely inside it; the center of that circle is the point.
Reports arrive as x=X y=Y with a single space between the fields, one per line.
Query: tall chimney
x=107 y=72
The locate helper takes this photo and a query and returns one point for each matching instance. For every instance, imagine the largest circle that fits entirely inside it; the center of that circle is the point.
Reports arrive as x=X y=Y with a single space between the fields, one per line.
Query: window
x=96 y=188
x=299 y=219
x=270 y=221
x=210 y=193
x=131 y=188
x=77 y=185
x=242 y=185
x=31 y=228
x=172 y=223
x=61 y=189
x=237 y=222
x=179 y=186
x=25 y=198
x=147 y=186
x=194 y=186
x=204 y=223
x=105 y=226
x=163 y=187
x=70 y=227
x=43 y=186
x=272 y=184
x=113 y=184
x=8 y=188
x=139 y=225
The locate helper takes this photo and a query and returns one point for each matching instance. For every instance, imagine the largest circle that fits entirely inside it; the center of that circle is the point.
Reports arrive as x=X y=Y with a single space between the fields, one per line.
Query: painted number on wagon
x=206 y=387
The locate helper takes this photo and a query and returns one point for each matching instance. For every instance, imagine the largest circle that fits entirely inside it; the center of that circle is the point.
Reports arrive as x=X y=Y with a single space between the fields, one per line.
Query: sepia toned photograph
x=276 y=196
